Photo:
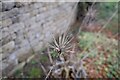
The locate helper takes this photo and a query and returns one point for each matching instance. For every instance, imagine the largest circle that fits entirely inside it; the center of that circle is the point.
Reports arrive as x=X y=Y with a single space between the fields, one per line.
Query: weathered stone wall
x=27 y=26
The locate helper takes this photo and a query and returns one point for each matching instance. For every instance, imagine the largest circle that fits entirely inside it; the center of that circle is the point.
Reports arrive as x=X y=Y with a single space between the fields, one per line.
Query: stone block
x=37 y=5
x=48 y=36
x=23 y=17
x=38 y=36
x=34 y=33
x=20 y=53
x=0 y=50
x=0 y=57
x=34 y=13
x=7 y=6
x=33 y=27
x=24 y=42
x=7 y=48
x=4 y=56
x=34 y=42
x=19 y=40
x=0 y=34
x=3 y=16
x=6 y=39
x=41 y=16
x=5 y=32
x=15 y=19
x=30 y=22
x=19 y=4
x=13 y=12
x=15 y=27
x=14 y=36
x=0 y=24
x=6 y=22
x=3 y=66
x=38 y=47
x=0 y=6
x=25 y=56
x=9 y=14
x=27 y=9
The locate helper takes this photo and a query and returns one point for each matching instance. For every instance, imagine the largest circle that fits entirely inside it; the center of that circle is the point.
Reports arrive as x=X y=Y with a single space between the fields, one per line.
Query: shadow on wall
x=82 y=9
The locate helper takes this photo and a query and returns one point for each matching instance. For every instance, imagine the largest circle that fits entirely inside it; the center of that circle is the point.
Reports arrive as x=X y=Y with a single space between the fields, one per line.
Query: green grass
x=35 y=72
x=43 y=58
x=54 y=54
x=105 y=11
x=33 y=62
x=17 y=73
x=91 y=41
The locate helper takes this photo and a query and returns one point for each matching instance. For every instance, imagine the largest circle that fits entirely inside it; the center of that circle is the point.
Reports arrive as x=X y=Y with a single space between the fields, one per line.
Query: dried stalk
x=49 y=73
x=49 y=55
x=43 y=68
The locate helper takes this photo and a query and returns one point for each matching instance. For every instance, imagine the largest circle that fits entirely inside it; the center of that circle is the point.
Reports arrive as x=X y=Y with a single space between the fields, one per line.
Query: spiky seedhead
x=62 y=43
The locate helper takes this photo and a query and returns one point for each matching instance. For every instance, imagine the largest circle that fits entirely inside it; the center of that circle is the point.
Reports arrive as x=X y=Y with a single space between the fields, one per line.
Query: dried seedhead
x=62 y=44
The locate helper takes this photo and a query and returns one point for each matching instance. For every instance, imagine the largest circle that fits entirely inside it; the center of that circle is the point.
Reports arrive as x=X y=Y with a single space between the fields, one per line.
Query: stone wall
x=29 y=26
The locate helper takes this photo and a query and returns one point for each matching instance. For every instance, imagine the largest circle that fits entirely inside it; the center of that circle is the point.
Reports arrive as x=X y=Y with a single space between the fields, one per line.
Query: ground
x=102 y=61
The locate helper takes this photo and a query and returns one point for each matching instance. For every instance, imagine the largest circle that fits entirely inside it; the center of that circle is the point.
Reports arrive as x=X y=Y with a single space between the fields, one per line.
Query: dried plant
x=65 y=68
x=62 y=44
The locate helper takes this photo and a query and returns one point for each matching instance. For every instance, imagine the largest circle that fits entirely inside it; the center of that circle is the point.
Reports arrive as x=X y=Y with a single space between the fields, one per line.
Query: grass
x=43 y=58
x=54 y=54
x=35 y=72
x=33 y=62
x=99 y=47
x=105 y=11
x=17 y=73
